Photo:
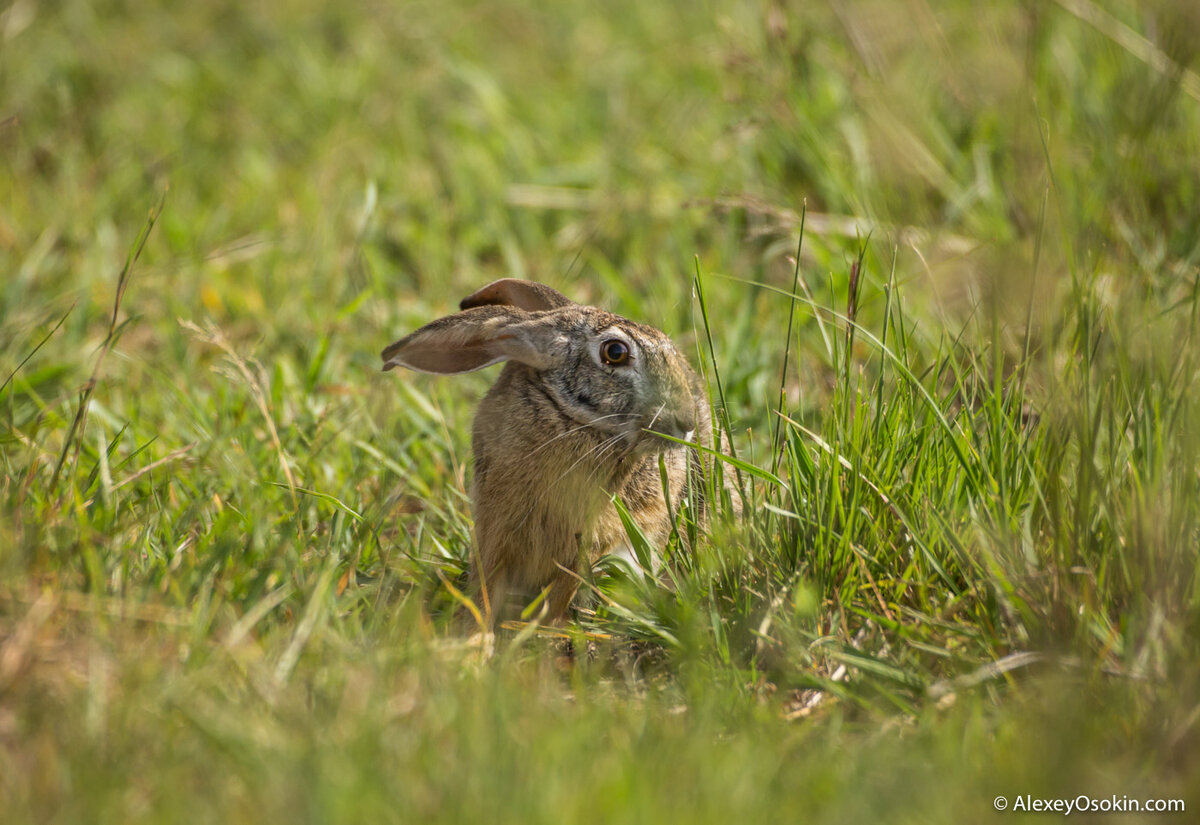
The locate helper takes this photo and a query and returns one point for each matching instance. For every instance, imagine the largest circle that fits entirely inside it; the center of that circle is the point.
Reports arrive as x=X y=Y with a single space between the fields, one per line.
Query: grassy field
x=966 y=420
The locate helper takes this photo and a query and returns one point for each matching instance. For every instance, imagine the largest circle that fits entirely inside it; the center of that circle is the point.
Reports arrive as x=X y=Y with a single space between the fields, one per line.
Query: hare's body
x=562 y=521
x=575 y=418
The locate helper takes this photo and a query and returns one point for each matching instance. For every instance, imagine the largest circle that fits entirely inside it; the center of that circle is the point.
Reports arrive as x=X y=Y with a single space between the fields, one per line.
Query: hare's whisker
x=593 y=452
x=592 y=423
x=657 y=413
x=551 y=488
x=601 y=453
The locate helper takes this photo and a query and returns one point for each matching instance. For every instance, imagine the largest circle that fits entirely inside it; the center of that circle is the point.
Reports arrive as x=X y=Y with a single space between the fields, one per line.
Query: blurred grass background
x=974 y=572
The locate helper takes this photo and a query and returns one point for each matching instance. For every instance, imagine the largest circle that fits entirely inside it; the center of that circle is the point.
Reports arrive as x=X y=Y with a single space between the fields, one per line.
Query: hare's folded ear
x=476 y=338
x=513 y=292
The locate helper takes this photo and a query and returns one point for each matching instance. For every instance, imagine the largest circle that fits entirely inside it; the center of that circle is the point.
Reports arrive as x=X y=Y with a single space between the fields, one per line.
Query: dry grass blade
x=14 y=653
x=987 y=672
x=211 y=334
x=80 y=421
x=174 y=455
x=1134 y=43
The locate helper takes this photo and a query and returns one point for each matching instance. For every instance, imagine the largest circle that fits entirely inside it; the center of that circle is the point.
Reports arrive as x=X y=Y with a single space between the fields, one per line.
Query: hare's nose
x=682 y=424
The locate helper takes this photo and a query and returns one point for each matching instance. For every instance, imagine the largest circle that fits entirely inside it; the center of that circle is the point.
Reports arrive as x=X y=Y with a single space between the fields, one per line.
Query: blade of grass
x=39 y=345
x=787 y=345
x=80 y=420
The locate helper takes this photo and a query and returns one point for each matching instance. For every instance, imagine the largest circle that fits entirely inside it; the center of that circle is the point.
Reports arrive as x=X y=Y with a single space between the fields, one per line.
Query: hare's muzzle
x=680 y=424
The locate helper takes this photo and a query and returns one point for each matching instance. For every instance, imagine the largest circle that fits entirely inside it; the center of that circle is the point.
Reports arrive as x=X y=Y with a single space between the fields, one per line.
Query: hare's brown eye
x=614 y=353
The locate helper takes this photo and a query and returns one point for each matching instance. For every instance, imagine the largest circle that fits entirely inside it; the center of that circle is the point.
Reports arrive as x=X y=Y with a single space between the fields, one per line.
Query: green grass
x=965 y=423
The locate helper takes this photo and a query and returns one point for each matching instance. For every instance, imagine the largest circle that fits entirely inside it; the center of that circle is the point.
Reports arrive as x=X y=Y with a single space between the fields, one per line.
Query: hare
x=575 y=418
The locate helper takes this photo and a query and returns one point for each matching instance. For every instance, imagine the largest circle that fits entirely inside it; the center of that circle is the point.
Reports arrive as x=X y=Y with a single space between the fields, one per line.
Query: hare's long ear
x=476 y=338
x=513 y=292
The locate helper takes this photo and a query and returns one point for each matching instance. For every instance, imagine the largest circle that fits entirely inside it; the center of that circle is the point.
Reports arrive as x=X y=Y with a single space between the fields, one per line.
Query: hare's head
x=597 y=370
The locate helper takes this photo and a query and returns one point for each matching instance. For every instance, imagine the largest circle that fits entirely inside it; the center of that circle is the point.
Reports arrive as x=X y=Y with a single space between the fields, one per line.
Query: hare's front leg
x=562 y=593
x=513 y=567
x=488 y=586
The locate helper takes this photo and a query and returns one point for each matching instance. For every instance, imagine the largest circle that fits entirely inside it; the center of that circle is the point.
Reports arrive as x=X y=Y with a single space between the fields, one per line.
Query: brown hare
x=574 y=419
